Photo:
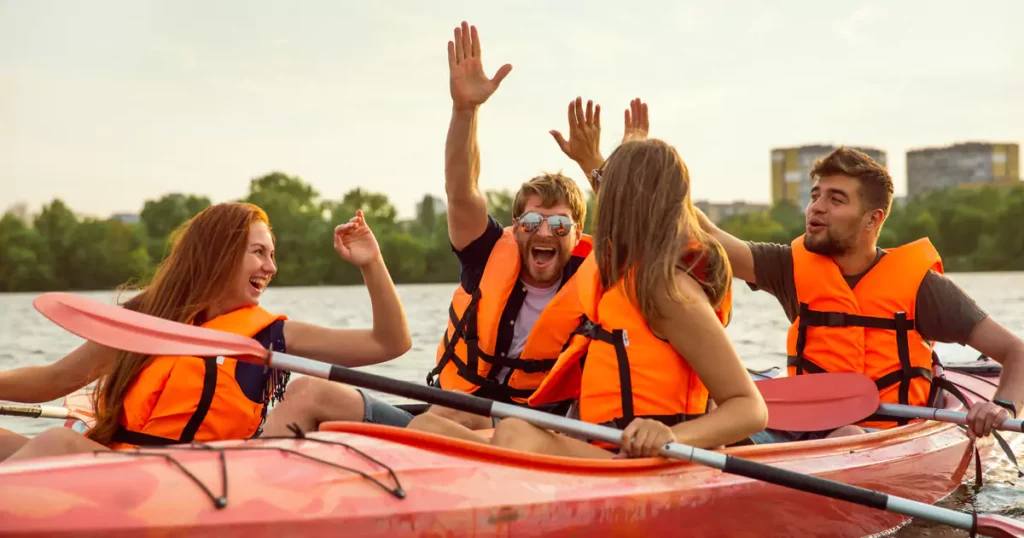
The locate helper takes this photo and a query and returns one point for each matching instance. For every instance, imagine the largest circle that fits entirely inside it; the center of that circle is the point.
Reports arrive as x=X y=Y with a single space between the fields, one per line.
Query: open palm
x=470 y=87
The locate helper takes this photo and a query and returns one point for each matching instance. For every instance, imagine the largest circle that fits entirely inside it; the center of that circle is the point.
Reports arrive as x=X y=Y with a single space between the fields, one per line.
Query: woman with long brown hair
x=221 y=262
x=652 y=350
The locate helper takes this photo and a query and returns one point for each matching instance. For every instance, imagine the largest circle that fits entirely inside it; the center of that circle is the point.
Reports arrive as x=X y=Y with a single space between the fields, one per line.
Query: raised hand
x=584 y=144
x=355 y=243
x=469 y=86
x=637 y=125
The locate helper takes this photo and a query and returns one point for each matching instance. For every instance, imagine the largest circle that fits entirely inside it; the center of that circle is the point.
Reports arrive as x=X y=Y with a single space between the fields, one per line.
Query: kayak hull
x=456 y=488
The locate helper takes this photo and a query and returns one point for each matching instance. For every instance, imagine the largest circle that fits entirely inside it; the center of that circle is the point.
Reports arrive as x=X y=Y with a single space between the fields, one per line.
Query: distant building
x=791 y=170
x=127 y=218
x=20 y=211
x=964 y=165
x=717 y=212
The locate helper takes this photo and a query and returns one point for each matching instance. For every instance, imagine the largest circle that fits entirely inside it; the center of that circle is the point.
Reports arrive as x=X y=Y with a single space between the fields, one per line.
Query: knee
x=846 y=431
x=469 y=420
x=318 y=393
x=427 y=422
x=517 y=434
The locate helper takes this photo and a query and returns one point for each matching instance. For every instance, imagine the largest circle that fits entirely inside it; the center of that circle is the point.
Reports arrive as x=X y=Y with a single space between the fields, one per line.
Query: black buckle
x=834 y=319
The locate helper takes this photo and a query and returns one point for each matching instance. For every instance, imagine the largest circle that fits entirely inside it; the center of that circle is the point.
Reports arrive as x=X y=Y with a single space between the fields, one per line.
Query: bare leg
x=517 y=434
x=55 y=442
x=435 y=423
x=310 y=401
x=469 y=420
x=10 y=443
x=845 y=431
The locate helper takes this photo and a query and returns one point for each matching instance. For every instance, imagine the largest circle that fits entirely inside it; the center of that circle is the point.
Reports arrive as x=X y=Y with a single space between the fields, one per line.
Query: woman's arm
x=695 y=332
x=389 y=336
x=39 y=384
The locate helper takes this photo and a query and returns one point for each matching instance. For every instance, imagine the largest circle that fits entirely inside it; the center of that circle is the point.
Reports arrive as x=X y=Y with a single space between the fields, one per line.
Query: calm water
x=757 y=330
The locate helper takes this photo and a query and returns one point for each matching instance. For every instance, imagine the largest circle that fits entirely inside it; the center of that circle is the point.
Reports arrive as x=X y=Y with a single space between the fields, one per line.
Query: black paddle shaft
x=423 y=393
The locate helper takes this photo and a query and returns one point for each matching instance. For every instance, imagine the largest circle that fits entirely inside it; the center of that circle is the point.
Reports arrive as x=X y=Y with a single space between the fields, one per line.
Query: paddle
x=35 y=411
x=943 y=415
x=123 y=329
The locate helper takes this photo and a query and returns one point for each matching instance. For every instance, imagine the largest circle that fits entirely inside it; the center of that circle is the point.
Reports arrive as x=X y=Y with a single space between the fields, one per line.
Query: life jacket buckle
x=835 y=319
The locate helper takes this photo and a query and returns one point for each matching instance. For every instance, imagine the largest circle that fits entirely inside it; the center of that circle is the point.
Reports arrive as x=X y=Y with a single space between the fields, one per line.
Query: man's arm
x=945 y=313
x=740 y=256
x=995 y=341
x=470 y=88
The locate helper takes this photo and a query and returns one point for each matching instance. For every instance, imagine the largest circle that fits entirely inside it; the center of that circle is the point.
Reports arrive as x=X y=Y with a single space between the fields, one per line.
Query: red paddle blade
x=120 y=328
x=814 y=402
x=1000 y=527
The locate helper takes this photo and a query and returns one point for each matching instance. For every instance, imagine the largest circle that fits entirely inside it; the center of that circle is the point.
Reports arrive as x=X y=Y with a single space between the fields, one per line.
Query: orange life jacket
x=469 y=357
x=868 y=329
x=617 y=368
x=179 y=399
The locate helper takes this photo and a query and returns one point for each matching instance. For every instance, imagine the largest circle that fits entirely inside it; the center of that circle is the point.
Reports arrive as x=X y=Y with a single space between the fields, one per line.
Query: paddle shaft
x=34 y=411
x=943 y=415
x=725 y=463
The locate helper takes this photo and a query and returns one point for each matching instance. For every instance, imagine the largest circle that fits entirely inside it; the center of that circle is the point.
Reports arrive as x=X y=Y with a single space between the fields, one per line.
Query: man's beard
x=826 y=244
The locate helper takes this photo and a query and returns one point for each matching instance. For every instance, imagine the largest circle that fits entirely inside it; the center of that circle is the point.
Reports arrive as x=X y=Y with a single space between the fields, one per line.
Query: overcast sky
x=106 y=104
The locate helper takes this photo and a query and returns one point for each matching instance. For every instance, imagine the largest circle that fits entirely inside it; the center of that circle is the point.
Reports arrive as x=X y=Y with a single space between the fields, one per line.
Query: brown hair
x=552 y=189
x=206 y=252
x=646 y=226
x=875 y=183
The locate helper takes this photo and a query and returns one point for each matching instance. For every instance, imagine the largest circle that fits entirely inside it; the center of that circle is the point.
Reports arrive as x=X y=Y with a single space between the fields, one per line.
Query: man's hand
x=637 y=124
x=469 y=86
x=584 y=144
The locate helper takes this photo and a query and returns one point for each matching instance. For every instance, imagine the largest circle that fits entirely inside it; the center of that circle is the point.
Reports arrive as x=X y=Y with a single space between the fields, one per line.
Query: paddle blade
x=120 y=328
x=815 y=402
x=1000 y=527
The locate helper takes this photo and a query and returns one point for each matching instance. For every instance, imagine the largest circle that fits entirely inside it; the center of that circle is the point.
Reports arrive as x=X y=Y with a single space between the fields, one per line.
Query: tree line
x=57 y=250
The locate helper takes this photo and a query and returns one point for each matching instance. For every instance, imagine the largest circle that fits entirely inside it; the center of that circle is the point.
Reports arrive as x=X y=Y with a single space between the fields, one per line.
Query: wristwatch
x=1008 y=405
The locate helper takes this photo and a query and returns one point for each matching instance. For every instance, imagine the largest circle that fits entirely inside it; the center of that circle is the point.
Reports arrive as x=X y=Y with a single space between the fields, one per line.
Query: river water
x=757 y=330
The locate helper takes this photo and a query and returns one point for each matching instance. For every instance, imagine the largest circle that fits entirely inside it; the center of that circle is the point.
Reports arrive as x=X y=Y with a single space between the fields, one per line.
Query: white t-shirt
x=536 y=300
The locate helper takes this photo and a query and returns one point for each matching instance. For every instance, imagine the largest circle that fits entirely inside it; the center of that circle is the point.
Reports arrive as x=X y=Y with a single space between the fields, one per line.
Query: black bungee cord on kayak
x=221 y=501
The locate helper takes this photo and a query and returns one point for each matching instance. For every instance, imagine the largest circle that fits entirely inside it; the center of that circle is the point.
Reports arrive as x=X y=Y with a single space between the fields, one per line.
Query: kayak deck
x=457 y=488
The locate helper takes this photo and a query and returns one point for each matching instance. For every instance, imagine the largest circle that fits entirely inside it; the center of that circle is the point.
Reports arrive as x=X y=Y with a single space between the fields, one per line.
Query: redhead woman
x=221 y=262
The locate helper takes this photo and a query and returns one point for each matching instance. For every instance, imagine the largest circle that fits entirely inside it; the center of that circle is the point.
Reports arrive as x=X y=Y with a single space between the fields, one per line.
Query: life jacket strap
x=188 y=433
x=898 y=323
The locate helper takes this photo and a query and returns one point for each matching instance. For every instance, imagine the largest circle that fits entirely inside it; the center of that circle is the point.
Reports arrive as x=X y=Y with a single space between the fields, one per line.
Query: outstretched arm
x=389 y=336
x=995 y=341
x=740 y=256
x=39 y=384
x=470 y=88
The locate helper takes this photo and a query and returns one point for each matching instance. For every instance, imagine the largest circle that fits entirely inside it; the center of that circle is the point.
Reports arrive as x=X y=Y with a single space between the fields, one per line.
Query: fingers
x=467 y=45
x=460 y=53
x=628 y=124
x=644 y=124
x=562 y=143
x=451 y=56
x=627 y=437
x=597 y=116
x=580 y=115
x=475 y=40
x=573 y=124
x=590 y=112
x=501 y=74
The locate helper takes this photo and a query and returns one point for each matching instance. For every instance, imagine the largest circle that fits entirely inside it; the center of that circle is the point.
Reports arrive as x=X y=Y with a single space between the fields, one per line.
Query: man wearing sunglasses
x=516 y=305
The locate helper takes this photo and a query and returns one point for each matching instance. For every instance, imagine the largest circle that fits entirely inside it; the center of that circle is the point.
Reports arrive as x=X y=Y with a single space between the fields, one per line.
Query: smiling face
x=543 y=251
x=254 y=271
x=836 y=220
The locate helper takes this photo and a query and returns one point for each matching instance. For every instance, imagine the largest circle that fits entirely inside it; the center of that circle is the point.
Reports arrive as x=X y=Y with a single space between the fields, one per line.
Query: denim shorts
x=378 y=412
x=769 y=436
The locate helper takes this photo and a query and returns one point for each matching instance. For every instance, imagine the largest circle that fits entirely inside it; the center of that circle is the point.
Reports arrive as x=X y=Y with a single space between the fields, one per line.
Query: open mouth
x=542 y=256
x=815 y=225
x=258 y=284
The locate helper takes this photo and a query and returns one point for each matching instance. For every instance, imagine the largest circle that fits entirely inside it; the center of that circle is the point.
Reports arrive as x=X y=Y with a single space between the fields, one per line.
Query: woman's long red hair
x=205 y=253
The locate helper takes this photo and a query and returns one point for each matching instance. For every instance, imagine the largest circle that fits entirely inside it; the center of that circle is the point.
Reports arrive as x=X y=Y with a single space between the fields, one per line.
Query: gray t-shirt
x=944 y=312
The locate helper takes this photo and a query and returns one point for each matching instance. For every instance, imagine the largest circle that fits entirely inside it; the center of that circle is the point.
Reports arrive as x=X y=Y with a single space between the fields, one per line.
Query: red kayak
x=355 y=479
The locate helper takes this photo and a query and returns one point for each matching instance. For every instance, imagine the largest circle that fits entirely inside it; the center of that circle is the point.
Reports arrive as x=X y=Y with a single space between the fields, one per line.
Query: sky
x=106 y=104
